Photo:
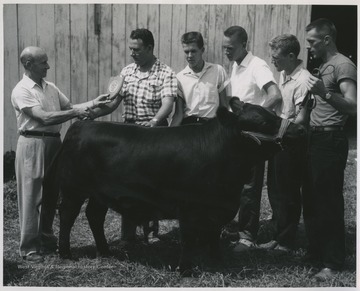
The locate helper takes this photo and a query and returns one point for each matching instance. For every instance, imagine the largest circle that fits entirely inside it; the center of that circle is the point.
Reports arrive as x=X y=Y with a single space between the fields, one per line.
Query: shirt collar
x=31 y=84
x=295 y=74
x=189 y=71
x=246 y=61
x=153 y=70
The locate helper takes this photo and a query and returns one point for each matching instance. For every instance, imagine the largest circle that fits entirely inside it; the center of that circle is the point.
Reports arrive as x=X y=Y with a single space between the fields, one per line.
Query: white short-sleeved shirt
x=248 y=79
x=293 y=91
x=201 y=90
x=27 y=94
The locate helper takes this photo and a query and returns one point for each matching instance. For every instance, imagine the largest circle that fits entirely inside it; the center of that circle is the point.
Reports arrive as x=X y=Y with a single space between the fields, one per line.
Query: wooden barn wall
x=87 y=43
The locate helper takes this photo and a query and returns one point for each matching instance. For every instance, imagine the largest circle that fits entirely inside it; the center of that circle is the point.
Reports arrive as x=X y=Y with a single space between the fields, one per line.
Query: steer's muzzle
x=296 y=131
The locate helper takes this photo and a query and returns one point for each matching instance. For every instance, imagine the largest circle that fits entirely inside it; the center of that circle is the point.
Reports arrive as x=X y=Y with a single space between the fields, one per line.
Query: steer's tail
x=50 y=195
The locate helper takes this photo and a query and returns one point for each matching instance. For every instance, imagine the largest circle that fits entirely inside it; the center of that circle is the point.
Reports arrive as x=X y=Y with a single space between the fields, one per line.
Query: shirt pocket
x=130 y=86
x=152 y=91
x=209 y=92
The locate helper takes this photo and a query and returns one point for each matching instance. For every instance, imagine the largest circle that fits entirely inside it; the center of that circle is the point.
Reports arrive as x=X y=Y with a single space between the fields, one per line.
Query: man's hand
x=91 y=115
x=316 y=86
x=101 y=100
x=150 y=123
x=83 y=113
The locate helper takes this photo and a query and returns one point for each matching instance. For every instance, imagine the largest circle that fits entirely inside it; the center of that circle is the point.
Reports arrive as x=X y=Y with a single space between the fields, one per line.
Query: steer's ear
x=225 y=116
x=236 y=105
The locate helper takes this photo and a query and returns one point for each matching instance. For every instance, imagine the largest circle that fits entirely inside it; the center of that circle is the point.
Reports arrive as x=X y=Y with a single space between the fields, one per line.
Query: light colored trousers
x=33 y=157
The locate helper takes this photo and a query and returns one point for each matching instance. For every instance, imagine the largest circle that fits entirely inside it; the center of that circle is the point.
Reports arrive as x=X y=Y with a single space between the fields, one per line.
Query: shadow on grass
x=12 y=273
x=165 y=254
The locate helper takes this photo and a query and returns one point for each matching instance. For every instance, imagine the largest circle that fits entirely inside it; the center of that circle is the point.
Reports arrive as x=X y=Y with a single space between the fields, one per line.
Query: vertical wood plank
x=79 y=54
x=142 y=15
x=198 y=20
x=275 y=28
x=153 y=24
x=27 y=27
x=165 y=32
x=218 y=23
x=264 y=17
x=118 y=49
x=45 y=27
x=62 y=53
x=293 y=15
x=244 y=16
x=148 y=17
x=178 y=29
x=227 y=22
x=93 y=52
x=304 y=16
x=131 y=24
x=105 y=61
x=11 y=74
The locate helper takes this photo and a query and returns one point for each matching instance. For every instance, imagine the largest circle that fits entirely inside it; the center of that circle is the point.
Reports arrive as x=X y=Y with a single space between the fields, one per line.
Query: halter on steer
x=278 y=138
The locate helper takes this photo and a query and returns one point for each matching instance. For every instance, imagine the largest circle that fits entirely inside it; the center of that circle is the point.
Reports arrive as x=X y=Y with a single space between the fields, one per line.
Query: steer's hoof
x=186 y=273
x=67 y=257
x=103 y=254
x=185 y=270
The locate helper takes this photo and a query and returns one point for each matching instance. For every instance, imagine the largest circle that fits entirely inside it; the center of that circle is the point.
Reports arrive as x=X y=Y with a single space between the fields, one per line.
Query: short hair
x=191 y=37
x=287 y=43
x=145 y=35
x=238 y=31
x=324 y=27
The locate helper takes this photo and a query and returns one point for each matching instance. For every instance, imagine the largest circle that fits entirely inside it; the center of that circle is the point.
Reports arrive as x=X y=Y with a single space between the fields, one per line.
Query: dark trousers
x=323 y=199
x=250 y=198
x=284 y=181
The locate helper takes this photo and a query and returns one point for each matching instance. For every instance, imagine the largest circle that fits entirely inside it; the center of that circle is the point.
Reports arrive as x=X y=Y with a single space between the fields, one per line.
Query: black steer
x=193 y=173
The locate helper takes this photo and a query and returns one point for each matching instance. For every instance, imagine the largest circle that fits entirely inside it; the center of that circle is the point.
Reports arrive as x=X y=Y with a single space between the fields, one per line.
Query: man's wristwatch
x=327 y=96
x=154 y=121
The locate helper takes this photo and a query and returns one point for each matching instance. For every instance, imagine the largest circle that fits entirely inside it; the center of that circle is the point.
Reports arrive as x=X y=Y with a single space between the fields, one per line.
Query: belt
x=195 y=119
x=326 y=128
x=39 y=133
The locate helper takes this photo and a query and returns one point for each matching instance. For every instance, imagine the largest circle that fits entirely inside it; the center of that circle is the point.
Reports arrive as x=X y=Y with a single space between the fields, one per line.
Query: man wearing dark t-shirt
x=335 y=92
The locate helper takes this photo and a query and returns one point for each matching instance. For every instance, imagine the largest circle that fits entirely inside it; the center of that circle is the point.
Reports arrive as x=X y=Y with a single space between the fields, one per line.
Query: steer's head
x=264 y=124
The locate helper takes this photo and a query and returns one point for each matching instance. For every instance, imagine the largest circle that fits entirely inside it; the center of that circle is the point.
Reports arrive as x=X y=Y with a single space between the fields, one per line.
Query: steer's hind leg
x=69 y=210
x=95 y=213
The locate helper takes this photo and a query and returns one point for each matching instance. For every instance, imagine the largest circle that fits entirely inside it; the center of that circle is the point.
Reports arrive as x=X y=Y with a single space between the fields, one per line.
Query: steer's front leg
x=95 y=213
x=69 y=210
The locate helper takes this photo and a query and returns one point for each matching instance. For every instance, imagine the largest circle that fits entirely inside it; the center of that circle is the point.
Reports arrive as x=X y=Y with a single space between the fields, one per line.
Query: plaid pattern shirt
x=142 y=92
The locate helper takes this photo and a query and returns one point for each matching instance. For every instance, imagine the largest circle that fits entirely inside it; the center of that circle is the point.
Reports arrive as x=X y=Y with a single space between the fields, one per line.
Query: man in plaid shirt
x=148 y=91
x=149 y=87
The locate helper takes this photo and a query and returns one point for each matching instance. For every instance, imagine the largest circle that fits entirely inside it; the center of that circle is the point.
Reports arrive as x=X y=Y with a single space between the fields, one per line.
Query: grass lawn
x=154 y=265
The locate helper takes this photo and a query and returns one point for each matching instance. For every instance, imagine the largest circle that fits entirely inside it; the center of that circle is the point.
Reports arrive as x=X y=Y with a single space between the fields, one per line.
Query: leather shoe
x=325 y=274
x=311 y=258
x=33 y=258
x=269 y=245
x=244 y=245
x=283 y=249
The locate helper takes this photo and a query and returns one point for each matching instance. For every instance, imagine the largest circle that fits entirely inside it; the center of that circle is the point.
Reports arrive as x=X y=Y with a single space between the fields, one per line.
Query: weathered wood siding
x=87 y=43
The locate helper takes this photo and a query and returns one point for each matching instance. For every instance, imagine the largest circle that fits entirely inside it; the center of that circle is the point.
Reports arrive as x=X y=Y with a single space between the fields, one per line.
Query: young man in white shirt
x=201 y=85
x=285 y=169
x=253 y=82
